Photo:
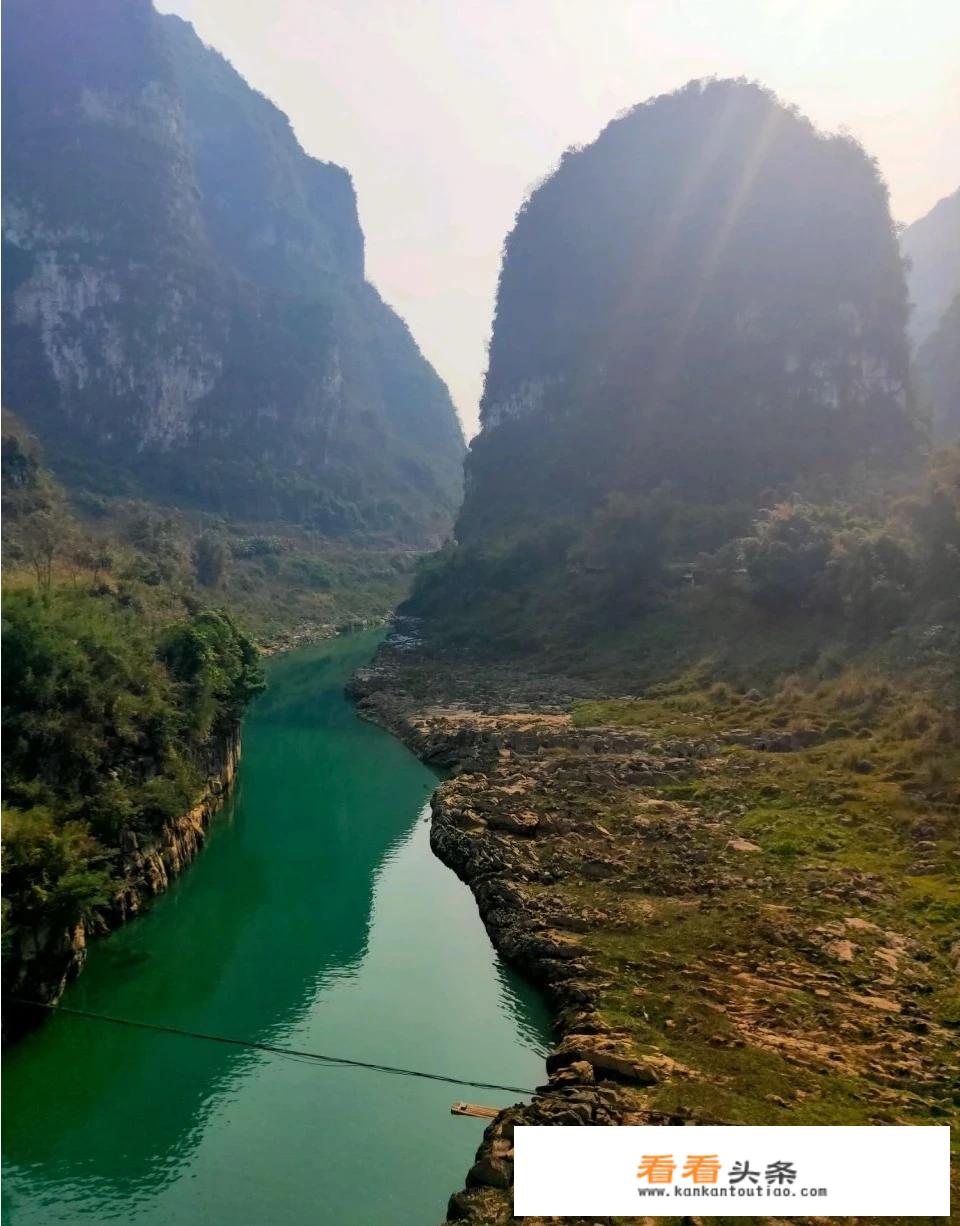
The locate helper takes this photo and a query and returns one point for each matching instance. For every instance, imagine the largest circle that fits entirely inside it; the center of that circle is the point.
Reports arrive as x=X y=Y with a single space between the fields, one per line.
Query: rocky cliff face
x=700 y=317
x=938 y=374
x=47 y=958
x=932 y=248
x=710 y=295
x=185 y=293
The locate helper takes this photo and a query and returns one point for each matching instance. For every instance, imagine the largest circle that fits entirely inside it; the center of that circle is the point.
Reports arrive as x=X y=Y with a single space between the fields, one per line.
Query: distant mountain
x=709 y=294
x=932 y=245
x=186 y=311
x=699 y=314
x=938 y=374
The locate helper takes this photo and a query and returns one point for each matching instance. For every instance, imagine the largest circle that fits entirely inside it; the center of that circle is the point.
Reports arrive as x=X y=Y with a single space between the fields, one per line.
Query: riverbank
x=49 y=957
x=44 y=957
x=741 y=909
x=308 y=634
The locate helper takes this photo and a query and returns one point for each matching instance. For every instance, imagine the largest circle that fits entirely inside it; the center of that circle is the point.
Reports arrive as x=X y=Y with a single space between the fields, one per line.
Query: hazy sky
x=446 y=112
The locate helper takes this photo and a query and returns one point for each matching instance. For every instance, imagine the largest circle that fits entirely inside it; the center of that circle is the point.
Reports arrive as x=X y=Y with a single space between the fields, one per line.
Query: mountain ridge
x=186 y=300
x=932 y=245
x=706 y=288
x=932 y=248
x=699 y=369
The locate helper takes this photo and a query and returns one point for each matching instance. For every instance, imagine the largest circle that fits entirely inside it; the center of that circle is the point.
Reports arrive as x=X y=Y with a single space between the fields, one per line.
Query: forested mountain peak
x=186 y=308
x=698 y=396
x=711 y=293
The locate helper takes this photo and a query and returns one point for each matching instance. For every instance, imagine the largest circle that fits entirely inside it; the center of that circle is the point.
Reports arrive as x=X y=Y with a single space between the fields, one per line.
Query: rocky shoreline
x=482 y=829
x=50 y=958
x=701 y=966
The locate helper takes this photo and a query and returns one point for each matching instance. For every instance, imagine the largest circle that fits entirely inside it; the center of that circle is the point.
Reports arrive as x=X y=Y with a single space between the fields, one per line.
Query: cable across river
x=317 y=1057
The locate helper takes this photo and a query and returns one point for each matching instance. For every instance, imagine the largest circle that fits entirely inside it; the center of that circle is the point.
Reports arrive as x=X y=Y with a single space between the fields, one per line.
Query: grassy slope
x=761 y=886
x=282 y=583
x=806 y=974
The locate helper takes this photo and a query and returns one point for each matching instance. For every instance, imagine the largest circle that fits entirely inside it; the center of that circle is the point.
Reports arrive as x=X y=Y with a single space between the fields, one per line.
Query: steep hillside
x=701 y=319
x=123 y=691
x=932 y=247
x=710 y=294
x=185 y=307
x=938 y=373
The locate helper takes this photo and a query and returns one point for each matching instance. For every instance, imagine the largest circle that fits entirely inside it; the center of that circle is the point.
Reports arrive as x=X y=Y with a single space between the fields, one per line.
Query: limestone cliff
x=938 y=374
x=932 y=247
x=710 y=294
x=186 y=307
x=700 y=315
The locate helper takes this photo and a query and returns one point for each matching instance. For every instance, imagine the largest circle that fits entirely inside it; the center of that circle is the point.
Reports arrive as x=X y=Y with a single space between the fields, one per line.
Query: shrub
x=108 y=725
x=786 y=560
x=210 y=559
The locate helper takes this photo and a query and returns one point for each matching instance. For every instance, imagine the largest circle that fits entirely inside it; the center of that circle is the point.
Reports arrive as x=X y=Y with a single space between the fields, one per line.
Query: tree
x=44 y=538
x=787 y=557
x=210 y=559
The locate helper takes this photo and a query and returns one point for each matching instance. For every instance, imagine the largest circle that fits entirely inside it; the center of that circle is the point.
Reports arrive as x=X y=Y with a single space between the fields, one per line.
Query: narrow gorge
x=309 y=923
x=605 y=771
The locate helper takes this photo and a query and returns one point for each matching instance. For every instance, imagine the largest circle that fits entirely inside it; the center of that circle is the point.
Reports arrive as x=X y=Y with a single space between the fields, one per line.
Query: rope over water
x=318 y=1057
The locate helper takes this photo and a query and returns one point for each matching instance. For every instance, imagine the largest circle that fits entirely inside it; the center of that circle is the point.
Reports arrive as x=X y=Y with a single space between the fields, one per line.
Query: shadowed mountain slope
x=186 y=308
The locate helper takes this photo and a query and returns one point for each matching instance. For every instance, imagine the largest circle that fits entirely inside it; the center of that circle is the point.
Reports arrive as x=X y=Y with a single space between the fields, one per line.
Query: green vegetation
x=282 y=583
x=676 y=468
x=834 y=922
x=126 y=674
x=650 y=588
x=121 y=694
x=112 y=723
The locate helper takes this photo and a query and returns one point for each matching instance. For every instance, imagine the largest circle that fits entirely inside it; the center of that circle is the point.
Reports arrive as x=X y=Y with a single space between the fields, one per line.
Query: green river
x=316 y=918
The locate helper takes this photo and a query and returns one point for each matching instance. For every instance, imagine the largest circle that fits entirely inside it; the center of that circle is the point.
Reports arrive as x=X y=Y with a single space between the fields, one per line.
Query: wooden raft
x=486 y=1113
